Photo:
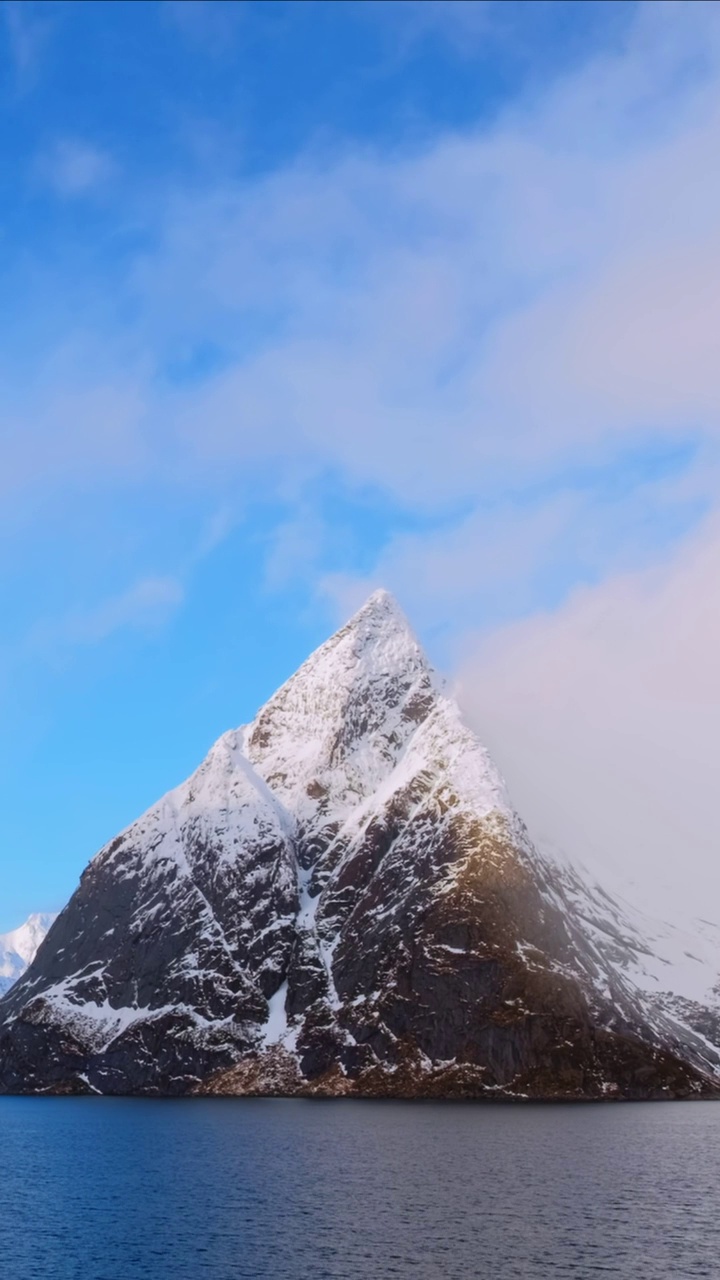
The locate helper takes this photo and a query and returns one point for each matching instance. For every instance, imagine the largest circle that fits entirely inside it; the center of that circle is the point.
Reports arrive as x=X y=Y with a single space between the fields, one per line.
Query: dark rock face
x=160 y=965
x=341 y=900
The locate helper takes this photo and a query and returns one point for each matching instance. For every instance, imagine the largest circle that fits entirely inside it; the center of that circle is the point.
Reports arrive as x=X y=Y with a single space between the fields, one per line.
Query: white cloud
x=604 y=717
x=443 y=324
x=503 y=300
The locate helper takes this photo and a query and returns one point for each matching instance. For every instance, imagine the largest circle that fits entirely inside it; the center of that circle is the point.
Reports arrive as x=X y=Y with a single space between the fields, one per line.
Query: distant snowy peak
x=18 y=948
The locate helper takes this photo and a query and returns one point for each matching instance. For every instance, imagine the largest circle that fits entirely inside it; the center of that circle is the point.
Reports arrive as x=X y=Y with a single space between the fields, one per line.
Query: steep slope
x=674 y=967
x=340 y=900
x=18 y=948
x=160 y=964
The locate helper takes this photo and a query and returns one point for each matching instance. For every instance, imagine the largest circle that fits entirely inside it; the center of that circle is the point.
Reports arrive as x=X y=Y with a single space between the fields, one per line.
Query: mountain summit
x=341 y=900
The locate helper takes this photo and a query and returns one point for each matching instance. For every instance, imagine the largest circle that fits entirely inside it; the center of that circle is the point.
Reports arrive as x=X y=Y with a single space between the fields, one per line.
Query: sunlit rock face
x=341 y=900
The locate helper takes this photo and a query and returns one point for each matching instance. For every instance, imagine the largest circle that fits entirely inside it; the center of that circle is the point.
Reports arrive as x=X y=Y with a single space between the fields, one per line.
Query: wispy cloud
x=146 y=605
x=295 y=549
x=28 y=26
x=211 y=25
x=82 y=431
x=462 y=23
x=72 y=167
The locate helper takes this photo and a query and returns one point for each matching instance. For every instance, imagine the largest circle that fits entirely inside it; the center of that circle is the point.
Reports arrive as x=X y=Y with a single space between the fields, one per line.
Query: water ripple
x=116 y=1189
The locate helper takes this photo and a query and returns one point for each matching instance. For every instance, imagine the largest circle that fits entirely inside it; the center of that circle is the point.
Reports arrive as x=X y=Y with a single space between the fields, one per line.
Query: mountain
x=341 y=900
x=18 y=948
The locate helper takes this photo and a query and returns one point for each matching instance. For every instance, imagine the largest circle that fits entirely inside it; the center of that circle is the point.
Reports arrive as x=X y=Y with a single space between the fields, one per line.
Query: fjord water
x=101 y=1189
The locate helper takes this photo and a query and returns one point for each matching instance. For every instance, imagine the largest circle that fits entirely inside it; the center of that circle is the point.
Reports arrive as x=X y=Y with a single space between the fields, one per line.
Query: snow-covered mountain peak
x=25 y=940
x=19 y=946
x=381 y=609
x=377 y=630
x=336 y=729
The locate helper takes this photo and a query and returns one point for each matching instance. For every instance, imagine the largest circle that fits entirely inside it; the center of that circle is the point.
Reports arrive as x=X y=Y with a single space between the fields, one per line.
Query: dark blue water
x=100 y=1189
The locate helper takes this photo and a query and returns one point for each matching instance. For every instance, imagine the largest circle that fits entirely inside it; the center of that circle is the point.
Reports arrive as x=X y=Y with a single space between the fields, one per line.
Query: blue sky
x=303 y=298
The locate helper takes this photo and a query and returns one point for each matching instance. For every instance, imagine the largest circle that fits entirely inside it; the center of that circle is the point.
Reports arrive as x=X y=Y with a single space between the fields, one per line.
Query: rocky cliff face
x=340 y=900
